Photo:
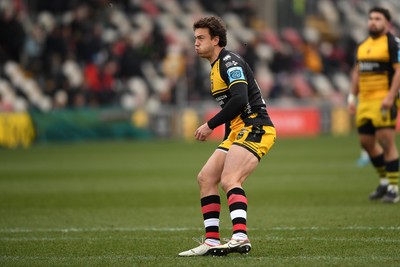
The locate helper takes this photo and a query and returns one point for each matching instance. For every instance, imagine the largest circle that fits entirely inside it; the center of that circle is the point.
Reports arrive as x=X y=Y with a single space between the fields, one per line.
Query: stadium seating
x=126 y=53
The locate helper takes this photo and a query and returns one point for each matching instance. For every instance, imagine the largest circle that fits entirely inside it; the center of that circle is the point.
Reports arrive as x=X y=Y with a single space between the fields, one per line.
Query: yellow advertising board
x=16 y=129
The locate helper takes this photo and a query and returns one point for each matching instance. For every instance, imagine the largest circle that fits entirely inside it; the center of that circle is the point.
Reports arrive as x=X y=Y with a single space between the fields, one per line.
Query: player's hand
x=202 y=132
x=387 y=102
x=351 y=104
x=351 y=108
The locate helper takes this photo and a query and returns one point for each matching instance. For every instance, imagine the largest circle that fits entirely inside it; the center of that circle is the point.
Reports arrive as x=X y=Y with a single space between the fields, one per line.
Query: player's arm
x=394 y=88
x=352 y=97
x=231 y=110
x=354 y=80
x=394 y=53
x=233 y=107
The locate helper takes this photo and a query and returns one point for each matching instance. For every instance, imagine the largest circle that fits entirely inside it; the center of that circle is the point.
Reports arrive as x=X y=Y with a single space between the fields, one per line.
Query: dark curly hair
x=215 y=26
x=383 y=11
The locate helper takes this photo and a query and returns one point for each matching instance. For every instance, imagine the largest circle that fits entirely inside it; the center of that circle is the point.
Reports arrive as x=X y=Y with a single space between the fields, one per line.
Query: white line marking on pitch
x=269 y=238
x=180 y=229
x=111 y=229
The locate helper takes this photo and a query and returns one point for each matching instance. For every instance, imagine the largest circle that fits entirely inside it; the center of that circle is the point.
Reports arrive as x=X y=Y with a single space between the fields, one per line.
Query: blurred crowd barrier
x=22 y=129
x=71 y=125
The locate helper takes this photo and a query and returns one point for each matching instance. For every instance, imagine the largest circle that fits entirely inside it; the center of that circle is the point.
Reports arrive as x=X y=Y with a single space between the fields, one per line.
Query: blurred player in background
x=375 y=82
x=249 y=136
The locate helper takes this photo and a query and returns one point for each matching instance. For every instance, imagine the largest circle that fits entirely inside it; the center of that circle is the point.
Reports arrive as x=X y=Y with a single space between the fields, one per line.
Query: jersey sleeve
x=233 y=70
x=232 y=108
x=394 y=49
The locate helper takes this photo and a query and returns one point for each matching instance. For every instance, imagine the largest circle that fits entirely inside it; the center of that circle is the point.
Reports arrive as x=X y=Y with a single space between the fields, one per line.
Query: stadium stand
x=71 y=54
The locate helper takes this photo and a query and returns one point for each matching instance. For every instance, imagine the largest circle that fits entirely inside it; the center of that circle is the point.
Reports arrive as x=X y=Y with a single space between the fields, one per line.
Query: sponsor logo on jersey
x=241 y=134
x=231 y=63
x=220 y=99
x=227 y=57
x=368 y=66
x=235 y=73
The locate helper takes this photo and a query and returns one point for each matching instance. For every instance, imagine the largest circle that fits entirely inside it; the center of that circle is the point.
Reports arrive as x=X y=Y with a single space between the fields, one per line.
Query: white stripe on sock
x=238 y=214
x=211 y=222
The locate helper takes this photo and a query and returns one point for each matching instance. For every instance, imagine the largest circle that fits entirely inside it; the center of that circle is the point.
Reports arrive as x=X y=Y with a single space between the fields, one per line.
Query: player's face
x=377 y=24
x=204 y=44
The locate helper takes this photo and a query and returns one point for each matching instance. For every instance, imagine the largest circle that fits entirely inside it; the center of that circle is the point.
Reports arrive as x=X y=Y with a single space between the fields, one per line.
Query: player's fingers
x=200 y=137
x=196 y=133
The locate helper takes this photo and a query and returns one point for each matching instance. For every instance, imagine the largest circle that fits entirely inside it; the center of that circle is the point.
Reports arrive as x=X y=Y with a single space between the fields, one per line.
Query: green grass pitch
x=130 y=203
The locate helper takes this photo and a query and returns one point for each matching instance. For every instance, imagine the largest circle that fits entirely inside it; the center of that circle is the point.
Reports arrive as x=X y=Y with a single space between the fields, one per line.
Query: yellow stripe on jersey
x=218 y=85
x=220 y=91
x=373 y=86
x=241 y=81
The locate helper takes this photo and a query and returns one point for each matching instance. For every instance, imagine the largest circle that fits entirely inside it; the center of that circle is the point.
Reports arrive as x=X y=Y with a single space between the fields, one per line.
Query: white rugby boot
x=203 y=249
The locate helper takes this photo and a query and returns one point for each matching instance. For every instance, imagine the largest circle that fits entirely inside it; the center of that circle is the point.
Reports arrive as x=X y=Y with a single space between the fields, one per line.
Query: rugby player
x=249 y=135
x=375 y=84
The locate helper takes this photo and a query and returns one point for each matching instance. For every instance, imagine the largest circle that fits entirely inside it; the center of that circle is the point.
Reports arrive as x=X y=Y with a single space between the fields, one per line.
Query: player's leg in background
x=386 y=137
x=375 y=151
x=363 y=160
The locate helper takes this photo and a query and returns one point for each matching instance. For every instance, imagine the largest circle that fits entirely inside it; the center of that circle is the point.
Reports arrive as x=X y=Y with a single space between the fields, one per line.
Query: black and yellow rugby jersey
x=375 y=59
x=235 y=89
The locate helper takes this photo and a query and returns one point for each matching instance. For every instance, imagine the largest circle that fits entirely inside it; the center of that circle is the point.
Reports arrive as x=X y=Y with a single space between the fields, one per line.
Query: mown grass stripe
x=140 y=257
x=182 y=229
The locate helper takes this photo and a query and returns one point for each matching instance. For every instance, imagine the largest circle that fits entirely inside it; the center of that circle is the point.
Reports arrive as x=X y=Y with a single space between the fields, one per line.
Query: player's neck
x=215 y=54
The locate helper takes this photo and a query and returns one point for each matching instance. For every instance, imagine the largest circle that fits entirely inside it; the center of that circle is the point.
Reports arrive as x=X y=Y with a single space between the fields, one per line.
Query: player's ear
x=215 y=40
